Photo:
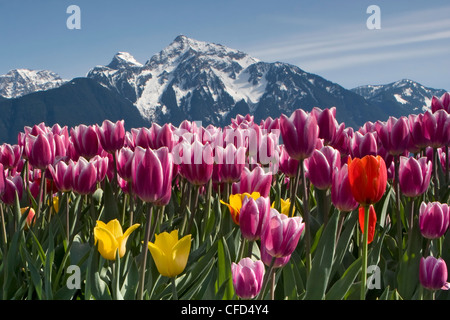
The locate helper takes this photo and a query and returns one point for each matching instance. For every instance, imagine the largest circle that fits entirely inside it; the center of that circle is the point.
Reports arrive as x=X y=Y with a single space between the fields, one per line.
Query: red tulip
x=368 y=179
x=372 y=222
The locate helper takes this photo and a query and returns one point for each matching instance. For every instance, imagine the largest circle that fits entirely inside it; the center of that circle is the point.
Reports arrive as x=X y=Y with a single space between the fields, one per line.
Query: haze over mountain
x=197 y=81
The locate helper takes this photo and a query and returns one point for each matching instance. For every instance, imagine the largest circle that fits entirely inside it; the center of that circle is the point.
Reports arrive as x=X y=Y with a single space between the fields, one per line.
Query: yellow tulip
x=111 y=238
x=169 y=253
x=285 y=204
x=235 y=204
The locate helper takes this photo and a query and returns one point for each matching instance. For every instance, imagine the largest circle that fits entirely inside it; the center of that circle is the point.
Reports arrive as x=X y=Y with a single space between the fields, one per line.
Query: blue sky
x=326 y=37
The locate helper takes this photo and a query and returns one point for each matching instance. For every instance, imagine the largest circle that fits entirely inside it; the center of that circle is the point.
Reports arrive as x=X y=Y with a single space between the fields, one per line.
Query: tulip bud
x=253 y=216
x=85 y=141
x=433 y=219
x=248 y=276
x=255 y=180
x=321 y=166
x=394 y=135
x=414 y=176
x=111 y=135
x=341 y=193
x=433 y=273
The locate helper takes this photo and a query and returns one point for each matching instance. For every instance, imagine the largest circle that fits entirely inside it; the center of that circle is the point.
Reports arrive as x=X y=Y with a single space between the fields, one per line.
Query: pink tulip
x=394 y=134
x=253 y=217
x=419 y=138
x=433 y=273
x=40 y=150
x=281 y=234
x=124 y=161
x=433 y=219
x=84 y=175
x=152 y=175
x=341 y=194
x=85 y=141
x=12 y=184
x=364 y=144
x=62 y=175
x=414 y=175
x=230 y=161
x=256 y=180
x=441 y=103
x=267 y=259
x=111 y=135
x=10 y=155
x=197 y=162
x=248 y=276
x=299 y=133
x=321 y=166
x=288 y=165
x=326 y=120
x=437 y=127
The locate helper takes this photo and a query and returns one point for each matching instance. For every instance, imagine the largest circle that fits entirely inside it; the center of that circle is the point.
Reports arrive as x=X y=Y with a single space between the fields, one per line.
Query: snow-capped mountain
x=20 y=82
x=197 y=80
x=401 y=97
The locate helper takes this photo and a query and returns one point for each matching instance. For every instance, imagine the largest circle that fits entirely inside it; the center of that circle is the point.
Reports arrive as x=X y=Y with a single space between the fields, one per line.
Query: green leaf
x=322 y=262
x=342 y=286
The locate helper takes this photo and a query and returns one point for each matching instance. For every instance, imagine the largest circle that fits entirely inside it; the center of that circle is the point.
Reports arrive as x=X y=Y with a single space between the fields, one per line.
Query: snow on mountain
x=19 y=82
x=198 y=80
x=400 y=97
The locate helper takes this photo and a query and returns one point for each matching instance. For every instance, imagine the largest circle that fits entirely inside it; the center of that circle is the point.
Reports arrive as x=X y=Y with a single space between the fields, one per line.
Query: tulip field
x=299 y=207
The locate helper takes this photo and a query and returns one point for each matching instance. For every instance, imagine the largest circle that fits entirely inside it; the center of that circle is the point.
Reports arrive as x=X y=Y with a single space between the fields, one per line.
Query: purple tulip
x=40 y=150
x=342 y=140
x=299 y=133
x=441 y=103
x=256 y=180
x=414 y=175
x=326 y=120
x=394 y=135
x=288 y=165
x=155 y=137
x=419 y=138
x=111 y=135
x=437 y=127
x=102 y=165
x=85 y=141
x=267 y=259
x=62 y=175
x=240 y=119
x=10 y=155
x=152 y=175
x=253 y=217
x=84 y=175
x=321 y=166
x=433 y=273
x=2 y=180
x=341 y=194
x=124 y=160
x=433 y=219
x=248 y=276
x=281 y=234
x=12 y=184
x=230 y=161
x=364 y=144
x=196 y=162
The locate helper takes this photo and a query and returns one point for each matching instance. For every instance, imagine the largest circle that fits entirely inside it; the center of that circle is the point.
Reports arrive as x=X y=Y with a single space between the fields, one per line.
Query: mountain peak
x=123 y=60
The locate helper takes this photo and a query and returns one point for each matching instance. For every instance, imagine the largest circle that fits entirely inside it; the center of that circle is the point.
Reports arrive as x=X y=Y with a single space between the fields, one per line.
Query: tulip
x=281 y=234
x=256 y=180
x=419 y=138
x=394 y=134
x=414 y=176
x=12 y=185
x=10 y=155
x=368 y=179
x=40 y=150
x=433 y=219
x=230 y=162
x=152 y=175
x=277 y=262
x=111 y=239
x=124 y=163
x=111 y=135
x=326 y=120
x=169 y=253
x=248 y=276
x=84 y=177
x=85 y=141
x=299 y=133
x=30 y=216
x=437 y=127
x=342 y=140
x=321 y=166
x=284 y=206
x=62 y=175
x=341 y=194
x=372 y=222
x=197 y=162
x=364 y=144
x=288 y=165
x=235 y=204
x=433 y=273
x=441 y=103
x=253 y=216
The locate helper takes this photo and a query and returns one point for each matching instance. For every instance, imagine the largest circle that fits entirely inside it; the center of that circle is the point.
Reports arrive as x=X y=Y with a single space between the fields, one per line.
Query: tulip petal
x=107 y=244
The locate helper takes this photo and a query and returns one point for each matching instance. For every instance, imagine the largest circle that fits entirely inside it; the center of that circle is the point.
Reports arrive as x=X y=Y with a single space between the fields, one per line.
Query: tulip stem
x=174 y=289
x=293 y=185
x=41 y=193
x=266 y=279
x=306 y=217
x=364 y=253
x=5 y=241
x=194 y=209
x=145 y=250
x=397 y=204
